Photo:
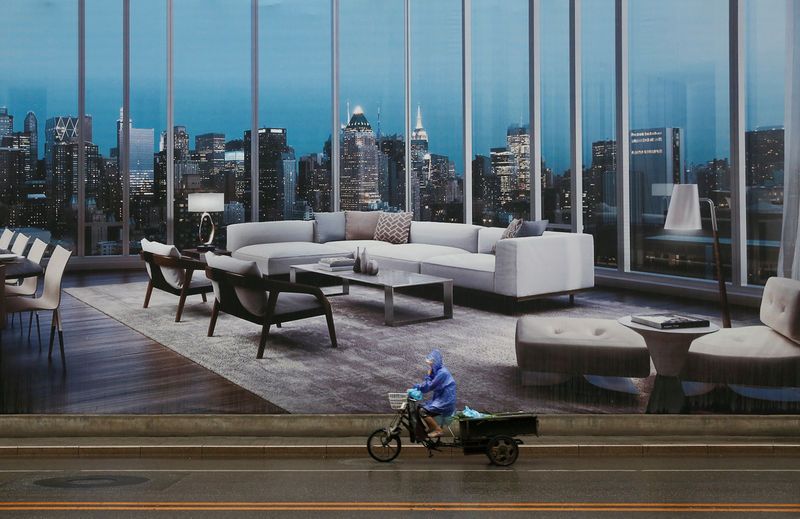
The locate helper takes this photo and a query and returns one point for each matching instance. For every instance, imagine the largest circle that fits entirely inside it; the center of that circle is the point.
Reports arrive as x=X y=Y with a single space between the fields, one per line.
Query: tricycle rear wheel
x=383 y=446
x=502 y=450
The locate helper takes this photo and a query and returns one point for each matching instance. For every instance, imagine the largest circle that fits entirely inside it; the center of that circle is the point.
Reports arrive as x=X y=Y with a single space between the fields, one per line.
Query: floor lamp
x=684 y=215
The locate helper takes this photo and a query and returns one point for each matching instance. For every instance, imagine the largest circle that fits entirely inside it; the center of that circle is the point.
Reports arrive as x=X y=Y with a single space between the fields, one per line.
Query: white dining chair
x=29 y=285
x=50 y=298
x=20 y=244
x=5 y=238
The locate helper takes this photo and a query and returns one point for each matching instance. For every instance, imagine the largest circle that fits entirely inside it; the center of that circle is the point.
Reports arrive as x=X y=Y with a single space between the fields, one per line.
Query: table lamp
x=683 y=214
x=206 y=203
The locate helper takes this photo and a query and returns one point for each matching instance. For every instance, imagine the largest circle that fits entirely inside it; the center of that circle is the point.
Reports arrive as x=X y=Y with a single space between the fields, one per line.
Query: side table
x=668 y=348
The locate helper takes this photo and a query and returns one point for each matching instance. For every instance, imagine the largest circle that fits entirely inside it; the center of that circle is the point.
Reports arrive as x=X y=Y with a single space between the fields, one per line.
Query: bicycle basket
x=396 y=400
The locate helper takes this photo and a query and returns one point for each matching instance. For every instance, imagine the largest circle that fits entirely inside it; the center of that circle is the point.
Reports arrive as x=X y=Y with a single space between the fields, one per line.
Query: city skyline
x=309 y=121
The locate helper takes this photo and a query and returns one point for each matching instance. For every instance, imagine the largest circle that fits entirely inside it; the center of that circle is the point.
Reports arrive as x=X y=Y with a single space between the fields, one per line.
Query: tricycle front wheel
x=383 y=445
x=502 y=450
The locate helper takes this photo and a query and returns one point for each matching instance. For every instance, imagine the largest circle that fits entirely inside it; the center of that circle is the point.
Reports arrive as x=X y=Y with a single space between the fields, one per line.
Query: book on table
x=667 y=321
x=335 y=268
x=339 y=261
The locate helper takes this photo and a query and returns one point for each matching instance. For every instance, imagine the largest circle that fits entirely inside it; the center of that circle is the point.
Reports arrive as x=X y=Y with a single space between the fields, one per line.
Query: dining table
x=17 y=269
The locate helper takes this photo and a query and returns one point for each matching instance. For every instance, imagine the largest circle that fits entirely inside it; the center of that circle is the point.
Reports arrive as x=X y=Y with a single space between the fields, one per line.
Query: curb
x=341 y=425
x=416 y=451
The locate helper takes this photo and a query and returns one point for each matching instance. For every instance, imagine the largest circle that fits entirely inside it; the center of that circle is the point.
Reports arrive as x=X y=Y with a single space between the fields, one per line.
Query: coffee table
x=668 y=348
x=389 y=280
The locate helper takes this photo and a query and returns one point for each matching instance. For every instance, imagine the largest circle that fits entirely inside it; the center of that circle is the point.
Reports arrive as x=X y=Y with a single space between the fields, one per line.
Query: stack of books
x=338 y=263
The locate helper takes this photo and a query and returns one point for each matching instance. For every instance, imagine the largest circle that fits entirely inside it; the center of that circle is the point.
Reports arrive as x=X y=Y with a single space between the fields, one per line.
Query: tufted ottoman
x=550 y=350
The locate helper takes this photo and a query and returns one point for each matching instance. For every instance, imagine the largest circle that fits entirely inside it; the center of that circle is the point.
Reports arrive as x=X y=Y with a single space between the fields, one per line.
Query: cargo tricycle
x=492 y=435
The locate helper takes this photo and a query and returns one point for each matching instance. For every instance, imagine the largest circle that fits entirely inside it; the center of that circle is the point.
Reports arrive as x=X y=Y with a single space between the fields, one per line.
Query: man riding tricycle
x=493 y=435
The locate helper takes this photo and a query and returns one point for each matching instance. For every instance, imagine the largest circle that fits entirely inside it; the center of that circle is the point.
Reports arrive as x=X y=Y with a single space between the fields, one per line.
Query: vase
x=364 y=259
x=357 y=264
x=372 y=267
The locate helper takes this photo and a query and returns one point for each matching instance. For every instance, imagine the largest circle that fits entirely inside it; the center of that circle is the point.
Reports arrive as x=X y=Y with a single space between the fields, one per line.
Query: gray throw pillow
x=329 y=227
x=535 y=228
x=360 y=225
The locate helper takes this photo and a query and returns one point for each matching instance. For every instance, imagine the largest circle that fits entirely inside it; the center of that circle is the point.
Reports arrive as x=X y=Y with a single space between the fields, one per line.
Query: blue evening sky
x=678 y=68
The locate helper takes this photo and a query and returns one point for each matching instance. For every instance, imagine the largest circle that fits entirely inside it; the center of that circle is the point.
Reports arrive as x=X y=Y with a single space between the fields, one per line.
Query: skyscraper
x=31 y=126
x=211 y=142
x=656 y=162
x=314 y=181
x=272 y=171
x=419 y=147
x=360 y=164
x=140 y=161
x=518 y=140
x=64 y=129
x=504 y=166
x=393 y=148
x=6 y=122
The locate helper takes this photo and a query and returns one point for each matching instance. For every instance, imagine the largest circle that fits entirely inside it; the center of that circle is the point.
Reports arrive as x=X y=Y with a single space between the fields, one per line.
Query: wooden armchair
x=180 y=279
x=285 y=302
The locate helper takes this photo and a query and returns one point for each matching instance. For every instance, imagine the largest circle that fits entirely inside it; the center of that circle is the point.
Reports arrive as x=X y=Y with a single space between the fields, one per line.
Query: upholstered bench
x=550 y=350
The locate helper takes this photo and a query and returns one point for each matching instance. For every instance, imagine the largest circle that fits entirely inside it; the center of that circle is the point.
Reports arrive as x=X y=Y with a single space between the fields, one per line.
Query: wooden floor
x=110 y=368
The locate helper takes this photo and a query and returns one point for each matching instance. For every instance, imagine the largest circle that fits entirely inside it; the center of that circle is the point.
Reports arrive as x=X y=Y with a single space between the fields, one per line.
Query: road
x=743 y=486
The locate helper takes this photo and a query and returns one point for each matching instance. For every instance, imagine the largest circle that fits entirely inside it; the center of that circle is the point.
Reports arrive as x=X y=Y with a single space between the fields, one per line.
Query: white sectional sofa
x=522 y=268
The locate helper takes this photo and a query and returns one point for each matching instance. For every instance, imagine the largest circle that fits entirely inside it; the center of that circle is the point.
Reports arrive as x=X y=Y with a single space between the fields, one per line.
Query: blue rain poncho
x=441 y=382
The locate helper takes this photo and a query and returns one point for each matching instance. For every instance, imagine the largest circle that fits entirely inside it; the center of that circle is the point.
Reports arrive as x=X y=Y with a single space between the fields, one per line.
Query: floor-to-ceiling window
x=371 y=71
x=103 y=211
x=39 y=120
x=294 y=107
x=501 y=167
x=437 y=141
x=679 y=130
x=148 y=122
x=599 y=145
x=765 y=56
x=212 y=113
x=554 y=36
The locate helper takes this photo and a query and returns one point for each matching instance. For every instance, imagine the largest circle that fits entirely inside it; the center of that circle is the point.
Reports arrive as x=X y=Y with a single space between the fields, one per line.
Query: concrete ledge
x=415 y=451
x=340 y=425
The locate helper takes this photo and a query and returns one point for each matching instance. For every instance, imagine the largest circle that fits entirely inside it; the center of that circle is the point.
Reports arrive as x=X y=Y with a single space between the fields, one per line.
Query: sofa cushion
x=458 y=235
x=393 y=227
x=474 y=271
x=289 y=303
x=487 y=237
x=510 y=231
x=360 y=225
x=534 y=228
x=373 y=246
x=252 y=233
x=329 y=227
x=275 y=258
x=754 y=355
x=173 y=276
x=405 y=256
x=254 y=301
x=780 y=306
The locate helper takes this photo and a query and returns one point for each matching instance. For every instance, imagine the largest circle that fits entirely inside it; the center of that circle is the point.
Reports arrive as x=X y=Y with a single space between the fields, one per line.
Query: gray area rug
x=302 y=374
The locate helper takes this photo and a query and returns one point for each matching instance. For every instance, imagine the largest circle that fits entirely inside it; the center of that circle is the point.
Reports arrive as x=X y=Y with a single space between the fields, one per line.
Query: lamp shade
x=206 y=202
x=684 y=209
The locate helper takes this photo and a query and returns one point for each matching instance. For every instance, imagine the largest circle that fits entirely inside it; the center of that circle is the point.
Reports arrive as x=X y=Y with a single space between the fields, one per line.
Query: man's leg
x=433 y=427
